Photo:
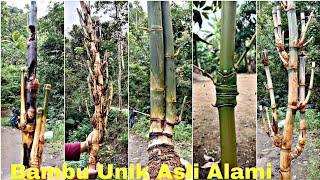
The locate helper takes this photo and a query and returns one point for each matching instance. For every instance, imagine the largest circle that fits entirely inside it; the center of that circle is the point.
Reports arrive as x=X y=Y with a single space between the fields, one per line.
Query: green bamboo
x=157 y=90
x=226 y=86
x=170 y=69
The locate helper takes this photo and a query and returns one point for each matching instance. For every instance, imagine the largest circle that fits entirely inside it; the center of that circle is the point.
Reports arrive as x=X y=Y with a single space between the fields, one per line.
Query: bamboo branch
x=181 y=110
x=263 y=118
x=253 y=38
x=305 y=102
x=304 y=29
x=205 y=73
x=279 y=36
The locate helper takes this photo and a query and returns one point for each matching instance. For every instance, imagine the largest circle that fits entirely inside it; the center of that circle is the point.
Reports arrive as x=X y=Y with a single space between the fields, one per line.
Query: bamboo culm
x=162 y=89
x=101 y=91
x=296 y=85
x=32 y=125
x=226 y=85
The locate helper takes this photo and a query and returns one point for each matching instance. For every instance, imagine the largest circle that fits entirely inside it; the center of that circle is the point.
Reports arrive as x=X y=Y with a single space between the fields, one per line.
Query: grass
x=314 y=162
x=5 y=121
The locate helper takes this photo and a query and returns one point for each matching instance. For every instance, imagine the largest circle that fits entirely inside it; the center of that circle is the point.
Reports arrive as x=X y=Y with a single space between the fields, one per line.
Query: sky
x=41 y=5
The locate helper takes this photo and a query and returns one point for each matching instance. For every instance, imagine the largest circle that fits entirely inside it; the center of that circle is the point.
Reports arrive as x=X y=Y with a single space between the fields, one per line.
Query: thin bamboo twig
x=206 y=73
x=253 y=38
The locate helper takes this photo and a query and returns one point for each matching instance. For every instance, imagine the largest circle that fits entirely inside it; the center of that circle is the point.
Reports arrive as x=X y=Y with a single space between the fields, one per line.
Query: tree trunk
x=226 y=86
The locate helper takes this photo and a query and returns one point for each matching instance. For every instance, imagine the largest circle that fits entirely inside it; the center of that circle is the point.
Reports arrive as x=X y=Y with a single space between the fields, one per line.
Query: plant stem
x=226 y=85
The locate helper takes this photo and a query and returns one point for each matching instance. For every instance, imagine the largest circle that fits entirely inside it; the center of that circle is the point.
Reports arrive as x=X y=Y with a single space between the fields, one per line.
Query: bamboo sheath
x=296 y=85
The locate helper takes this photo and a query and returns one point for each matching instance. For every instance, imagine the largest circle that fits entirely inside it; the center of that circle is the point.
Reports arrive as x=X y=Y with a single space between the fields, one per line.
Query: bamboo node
x=226 y=89
x=156 y=119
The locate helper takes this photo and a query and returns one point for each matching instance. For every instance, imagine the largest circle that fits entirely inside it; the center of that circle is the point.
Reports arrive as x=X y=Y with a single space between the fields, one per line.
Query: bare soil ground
x=206 y=136
x=11 y=152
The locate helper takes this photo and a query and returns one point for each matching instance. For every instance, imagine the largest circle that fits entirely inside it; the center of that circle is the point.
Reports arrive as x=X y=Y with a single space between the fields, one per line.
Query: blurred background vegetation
x=78 y=126
x=206 y=35
x=139 y=68
x=50 y=34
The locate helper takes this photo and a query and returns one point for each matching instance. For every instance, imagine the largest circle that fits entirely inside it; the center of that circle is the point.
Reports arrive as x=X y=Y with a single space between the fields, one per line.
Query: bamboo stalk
x=226 y=86
x=34 y=155
x=96 y=83
x=285 y=161
x=162 y=89
x=47 y=89
x=157 y=103
x=29 y=94
x=170 y=71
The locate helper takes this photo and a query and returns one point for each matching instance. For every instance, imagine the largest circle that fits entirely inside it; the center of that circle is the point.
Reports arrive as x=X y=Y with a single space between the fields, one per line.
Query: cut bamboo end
x=47 y=87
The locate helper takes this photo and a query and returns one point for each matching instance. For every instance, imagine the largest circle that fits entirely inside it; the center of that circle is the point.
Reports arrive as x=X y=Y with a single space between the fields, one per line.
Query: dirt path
x=138 y=150
x=206 y=122
x=266 y=152
x=11 y=151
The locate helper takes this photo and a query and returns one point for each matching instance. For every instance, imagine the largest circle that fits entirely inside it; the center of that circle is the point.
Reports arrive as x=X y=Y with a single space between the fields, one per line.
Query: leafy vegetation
x=206 y=35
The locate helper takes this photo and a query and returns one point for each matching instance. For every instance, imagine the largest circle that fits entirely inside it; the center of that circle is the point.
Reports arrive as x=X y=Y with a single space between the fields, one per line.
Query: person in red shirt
x=73 y=151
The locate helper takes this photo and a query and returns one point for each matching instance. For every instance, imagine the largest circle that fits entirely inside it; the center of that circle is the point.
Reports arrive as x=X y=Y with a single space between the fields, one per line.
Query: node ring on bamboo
x=226 y=88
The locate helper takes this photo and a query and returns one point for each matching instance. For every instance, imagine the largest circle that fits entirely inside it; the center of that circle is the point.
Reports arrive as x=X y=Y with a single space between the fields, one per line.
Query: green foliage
x=314 y=163
x=5 y=121
x=182 y=133
x=206 y=37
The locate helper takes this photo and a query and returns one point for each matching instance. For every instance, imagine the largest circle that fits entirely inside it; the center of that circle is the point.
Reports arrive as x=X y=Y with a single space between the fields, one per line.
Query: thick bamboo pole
x=157 y=91
x=171 y=158
x=170 y=71
x=29 y=96
x=99 y=91
x=157 y=102
x=226 y=85
x=285 y=161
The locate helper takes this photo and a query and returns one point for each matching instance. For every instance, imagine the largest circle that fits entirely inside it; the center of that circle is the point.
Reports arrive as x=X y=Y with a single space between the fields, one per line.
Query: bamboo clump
x=297 y=100
x=162 y=89
x=32 y=122
x=101 y=90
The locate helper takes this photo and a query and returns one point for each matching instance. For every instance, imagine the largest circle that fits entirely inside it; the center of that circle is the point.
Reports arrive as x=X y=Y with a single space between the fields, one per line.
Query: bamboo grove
x=295 y=63
x=100 y=89
x=225 y=82
x=162 y=89
x=32 y=119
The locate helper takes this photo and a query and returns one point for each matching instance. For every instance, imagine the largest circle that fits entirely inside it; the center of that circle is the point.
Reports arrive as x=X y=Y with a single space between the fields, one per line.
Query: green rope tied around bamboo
x=226 y=89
